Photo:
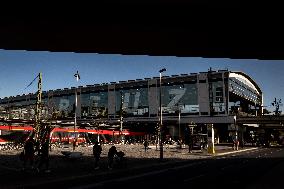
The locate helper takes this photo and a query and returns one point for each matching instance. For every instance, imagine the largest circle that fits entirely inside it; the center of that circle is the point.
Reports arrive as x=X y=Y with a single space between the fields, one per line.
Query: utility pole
x=41 y=133
x=161 y=116
x=37 y=124
x=42 y=130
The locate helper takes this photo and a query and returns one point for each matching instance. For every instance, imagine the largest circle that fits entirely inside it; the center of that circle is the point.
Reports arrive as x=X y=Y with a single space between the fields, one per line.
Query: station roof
x=172 y=80
x=251 y=83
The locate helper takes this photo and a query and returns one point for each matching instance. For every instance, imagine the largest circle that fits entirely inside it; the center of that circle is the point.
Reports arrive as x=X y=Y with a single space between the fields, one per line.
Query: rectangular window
x=219 y=99
x=219 y=93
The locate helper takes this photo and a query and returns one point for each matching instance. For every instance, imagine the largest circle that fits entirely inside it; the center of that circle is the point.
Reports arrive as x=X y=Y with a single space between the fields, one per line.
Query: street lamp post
x=161 y=117
x=121 y=117
x=179 y=135
x=75 y=120
x=75 y=117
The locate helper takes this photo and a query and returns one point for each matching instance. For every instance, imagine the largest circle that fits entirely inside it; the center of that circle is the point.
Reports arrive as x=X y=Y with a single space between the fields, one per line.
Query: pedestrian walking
x=97 y=150
x=190 y=144
x=242 y=143
x=74 y=144
x=146 y=144
x=111 y=153
x=120 y=159
x=179 y=142
x=29 y=153
x=236 y=144
x=44 y=157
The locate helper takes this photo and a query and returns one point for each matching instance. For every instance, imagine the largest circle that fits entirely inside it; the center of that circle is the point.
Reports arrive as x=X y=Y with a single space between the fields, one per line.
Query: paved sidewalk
x=219 y=151
x=67 y=169
x=229 y=150
x=146 y=166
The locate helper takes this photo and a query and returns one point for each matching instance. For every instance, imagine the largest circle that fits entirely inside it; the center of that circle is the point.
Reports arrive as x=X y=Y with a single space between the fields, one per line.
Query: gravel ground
x=62 y=167
x=133 y=153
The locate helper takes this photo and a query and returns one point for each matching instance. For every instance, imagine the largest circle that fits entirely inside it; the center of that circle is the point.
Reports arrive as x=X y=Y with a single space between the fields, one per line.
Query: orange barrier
x=16 y=128
x=92 y=131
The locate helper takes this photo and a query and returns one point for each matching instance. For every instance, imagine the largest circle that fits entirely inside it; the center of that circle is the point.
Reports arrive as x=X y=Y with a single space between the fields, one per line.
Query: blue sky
x=19 y=68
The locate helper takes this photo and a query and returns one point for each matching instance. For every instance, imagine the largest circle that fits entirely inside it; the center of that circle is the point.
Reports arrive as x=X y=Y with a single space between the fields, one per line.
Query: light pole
x=75 y=117
x=179 y=109
x=121 y=116
x=179 y=133
x=161 y=117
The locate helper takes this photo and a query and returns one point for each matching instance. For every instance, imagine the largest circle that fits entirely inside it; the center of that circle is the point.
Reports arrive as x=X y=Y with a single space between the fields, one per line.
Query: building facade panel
x=111 y=101
x=153 y=98
x=203 y=94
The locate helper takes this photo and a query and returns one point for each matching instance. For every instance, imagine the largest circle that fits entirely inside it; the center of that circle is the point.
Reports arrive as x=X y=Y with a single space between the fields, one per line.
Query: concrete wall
x=111 y=100
x=203 y=94
x=153 y=97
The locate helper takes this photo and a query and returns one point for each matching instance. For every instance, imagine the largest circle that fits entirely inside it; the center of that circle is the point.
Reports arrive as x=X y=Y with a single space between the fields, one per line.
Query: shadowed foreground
x=244 y=169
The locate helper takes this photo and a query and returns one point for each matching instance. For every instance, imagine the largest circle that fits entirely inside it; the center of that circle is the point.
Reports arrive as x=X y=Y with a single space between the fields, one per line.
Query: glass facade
x=178 y=95
x=135 y=101
x=219 y=105
x=183 y=97
x=94 y=104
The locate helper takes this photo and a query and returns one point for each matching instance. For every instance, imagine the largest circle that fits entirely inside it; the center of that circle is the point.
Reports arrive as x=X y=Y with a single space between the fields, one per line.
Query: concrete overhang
x=221 y=29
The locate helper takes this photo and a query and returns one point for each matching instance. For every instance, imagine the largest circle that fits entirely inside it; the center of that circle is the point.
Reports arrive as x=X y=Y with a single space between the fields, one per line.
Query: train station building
x=188 y=101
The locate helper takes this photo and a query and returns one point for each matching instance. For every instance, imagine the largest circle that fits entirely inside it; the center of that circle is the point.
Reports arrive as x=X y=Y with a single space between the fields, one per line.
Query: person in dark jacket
x=97 y=150
x=146 y=144
x=111 y=153
x=29 y=152
x=44 y=157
